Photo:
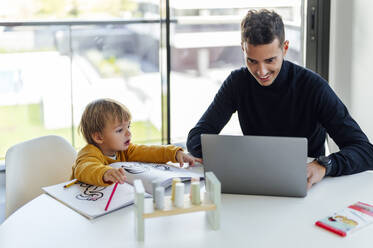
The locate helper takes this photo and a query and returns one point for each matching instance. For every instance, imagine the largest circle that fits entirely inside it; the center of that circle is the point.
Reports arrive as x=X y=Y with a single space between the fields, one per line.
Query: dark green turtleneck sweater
x=299 y=103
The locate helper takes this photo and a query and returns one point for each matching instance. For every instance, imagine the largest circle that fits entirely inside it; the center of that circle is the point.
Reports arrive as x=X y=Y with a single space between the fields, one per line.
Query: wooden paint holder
x=144 y=208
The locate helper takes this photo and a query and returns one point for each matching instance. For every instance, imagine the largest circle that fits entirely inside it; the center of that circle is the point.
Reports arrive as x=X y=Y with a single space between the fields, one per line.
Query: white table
x=246 y=221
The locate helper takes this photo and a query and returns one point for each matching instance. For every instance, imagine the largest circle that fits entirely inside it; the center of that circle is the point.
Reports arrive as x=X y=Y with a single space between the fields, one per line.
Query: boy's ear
x=97 y=138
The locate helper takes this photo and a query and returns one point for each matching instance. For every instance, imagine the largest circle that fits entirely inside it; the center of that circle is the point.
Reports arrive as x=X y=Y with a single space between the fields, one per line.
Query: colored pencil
x=70 y=184
x=111 y=196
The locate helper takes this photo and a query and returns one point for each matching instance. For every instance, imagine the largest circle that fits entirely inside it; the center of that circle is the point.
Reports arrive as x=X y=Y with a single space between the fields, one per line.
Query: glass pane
x=205 y=48
x=78 y=9
x=46 y=79
x=35 y=93
x=119 y=62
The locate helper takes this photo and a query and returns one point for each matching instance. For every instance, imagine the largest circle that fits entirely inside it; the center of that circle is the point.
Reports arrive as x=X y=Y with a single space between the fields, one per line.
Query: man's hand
x=181 y=157
x=114 y=176
x=315 y=172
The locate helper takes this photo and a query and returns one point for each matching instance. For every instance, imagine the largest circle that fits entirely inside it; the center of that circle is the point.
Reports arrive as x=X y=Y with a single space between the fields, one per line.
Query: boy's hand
x=181 y=157
x=114 y=176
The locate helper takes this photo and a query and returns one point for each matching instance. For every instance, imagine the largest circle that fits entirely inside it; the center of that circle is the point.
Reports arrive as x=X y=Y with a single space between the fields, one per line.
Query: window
x=205 y=48
x=56 y=56
x=52 y=66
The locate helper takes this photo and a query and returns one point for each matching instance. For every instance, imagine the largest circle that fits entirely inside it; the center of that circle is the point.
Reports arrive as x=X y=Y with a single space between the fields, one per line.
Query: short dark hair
x=262 y=27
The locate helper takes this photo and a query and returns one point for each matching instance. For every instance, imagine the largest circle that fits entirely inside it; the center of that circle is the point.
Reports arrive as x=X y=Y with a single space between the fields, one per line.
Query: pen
x=70 y=184
x=111 y=196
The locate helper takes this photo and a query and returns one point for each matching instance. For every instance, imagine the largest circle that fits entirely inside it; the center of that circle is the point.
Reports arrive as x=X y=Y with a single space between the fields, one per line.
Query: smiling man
x=264 y=61
x=274 y=97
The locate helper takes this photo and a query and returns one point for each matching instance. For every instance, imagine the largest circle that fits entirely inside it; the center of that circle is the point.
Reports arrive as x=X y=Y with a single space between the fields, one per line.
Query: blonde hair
x=97 y=114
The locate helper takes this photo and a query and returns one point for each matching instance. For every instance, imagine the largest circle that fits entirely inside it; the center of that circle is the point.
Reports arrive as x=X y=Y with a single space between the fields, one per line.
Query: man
x=274 y=97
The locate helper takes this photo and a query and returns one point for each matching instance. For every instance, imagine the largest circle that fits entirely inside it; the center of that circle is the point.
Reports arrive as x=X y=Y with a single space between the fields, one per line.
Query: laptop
x=257 y=165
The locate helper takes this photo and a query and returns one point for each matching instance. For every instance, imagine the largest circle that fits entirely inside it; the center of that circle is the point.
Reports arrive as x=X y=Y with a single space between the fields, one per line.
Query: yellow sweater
x=91 y=163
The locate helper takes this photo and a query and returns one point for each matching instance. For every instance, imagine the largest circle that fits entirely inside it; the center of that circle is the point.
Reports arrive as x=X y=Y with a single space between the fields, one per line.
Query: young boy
x=105 y=125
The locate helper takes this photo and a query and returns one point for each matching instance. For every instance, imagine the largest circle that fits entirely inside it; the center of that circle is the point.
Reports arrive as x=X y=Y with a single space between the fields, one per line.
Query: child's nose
x=128 y=133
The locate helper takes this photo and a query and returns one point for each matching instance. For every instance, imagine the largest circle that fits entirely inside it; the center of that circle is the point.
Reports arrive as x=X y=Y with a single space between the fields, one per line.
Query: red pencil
x=111 y=196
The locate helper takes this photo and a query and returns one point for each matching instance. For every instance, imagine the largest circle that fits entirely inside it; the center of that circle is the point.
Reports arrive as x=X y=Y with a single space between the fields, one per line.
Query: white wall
x=351 y=58
x=362 y=70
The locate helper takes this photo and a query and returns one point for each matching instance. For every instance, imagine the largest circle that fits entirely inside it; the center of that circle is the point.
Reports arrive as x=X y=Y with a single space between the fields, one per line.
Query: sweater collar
x=279 y=83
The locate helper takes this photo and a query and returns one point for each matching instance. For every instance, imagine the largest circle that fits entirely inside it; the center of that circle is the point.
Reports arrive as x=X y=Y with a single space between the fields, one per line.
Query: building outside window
x=57 y=56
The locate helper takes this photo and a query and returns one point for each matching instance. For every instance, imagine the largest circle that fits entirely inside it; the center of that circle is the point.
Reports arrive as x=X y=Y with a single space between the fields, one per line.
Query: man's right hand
x=114 y=176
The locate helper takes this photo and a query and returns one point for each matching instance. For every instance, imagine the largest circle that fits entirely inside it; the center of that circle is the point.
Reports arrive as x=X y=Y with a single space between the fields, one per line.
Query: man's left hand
x=315 y=173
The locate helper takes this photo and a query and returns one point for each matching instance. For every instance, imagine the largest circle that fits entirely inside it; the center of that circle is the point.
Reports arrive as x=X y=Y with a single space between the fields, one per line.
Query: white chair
x=33 y=164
